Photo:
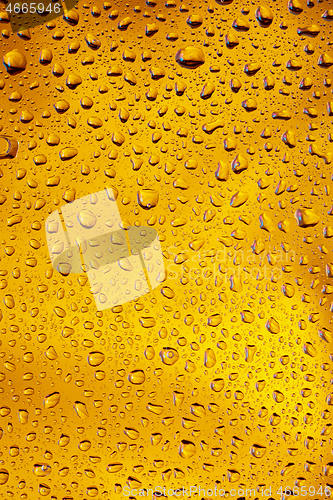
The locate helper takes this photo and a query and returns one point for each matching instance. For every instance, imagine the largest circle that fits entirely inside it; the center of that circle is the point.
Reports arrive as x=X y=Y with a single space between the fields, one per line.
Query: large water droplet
x=190 y=57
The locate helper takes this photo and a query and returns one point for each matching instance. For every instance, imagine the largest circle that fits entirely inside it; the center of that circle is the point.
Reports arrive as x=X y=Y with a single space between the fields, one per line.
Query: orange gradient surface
x=212 y=123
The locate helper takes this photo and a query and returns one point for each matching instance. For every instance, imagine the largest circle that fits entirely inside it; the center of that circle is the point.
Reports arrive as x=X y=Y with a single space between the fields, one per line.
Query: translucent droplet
x=210 y=358
x=190 y=57
x=273 y=326
x=264 y=16
x=95 y=358
x=169 y=356
x=131 y=433
x=306 y=217
x=217 y=385
x=4 y=476
x=81 y=409
x=15 y=62
x=250 y=351
x=148 y=198
x=187 y=449
x=87 y=219
x=233 y=475
x=52 y=400
x=114 y=467
x=137 y=377
x=258 y=451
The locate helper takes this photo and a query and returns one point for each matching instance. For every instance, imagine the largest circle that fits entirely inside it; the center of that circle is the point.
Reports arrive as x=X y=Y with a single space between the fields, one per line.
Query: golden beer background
x=220 y=376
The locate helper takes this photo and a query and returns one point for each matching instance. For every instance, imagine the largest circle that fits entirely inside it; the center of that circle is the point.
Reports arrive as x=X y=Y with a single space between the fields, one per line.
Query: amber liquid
x=213 y=122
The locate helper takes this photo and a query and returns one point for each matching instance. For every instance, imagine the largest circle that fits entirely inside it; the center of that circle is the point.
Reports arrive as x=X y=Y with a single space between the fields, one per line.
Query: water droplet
x=258 y=451
x=52 y=400
x=217 y=385
x=137 y=377
x=190 y=57
x=239 y=198
x=187 y=449
x=210 y=358
x=114 y=467
x=4 y=476
x=169 y=356
x=273 y=326
x=81 y=409
x=233 y=475
x=131 y=433
x=15 y=62
x=306 y=217
x=41 y=470
x=250 y=351
x=96 y=358
x=264 y=16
